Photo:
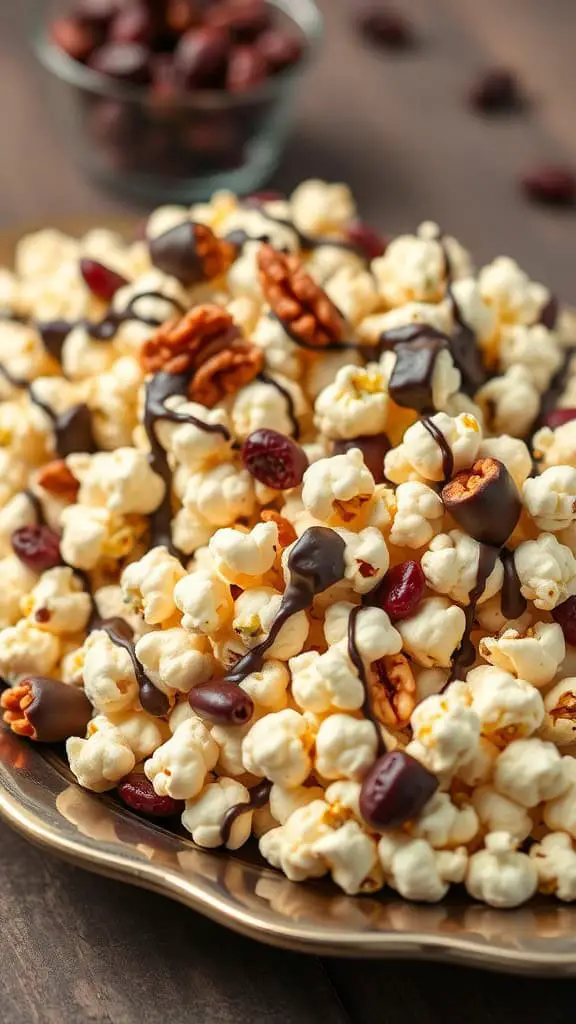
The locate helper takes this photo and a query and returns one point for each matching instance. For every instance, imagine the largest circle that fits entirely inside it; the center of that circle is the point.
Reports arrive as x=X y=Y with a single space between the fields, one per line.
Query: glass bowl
x=185 y=147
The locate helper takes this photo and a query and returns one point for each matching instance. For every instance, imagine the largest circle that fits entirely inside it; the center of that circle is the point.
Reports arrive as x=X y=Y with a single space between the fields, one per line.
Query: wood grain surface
x=78 y=948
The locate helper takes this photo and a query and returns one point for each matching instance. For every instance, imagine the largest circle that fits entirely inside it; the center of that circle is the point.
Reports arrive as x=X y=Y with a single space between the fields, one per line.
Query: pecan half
x=393 y=691
x=286 y=532
x=302 y=307
x=14 y=702
x=57 y=479
x=182 y=344
x=225 y=373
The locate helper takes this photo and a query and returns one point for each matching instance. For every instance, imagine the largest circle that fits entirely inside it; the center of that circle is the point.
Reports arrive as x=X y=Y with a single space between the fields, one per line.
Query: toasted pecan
x=216 y=254
x=286 y=532
x=393 y=691
x=57 y=479
x=179 y=345
x=299 y=303
x=14 y=703
x=226 y=372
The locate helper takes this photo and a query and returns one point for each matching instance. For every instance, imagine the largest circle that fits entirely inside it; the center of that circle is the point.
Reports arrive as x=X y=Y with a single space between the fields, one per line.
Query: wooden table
x=75 y=947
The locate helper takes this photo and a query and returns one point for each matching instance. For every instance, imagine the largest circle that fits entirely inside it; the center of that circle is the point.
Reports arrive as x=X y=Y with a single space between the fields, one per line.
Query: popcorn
x=345 y=747
x=16 y=513
x=498 y=875
x=530 y=771
x=353 y=292
x=534 y=348
x=91 y=534
x=205 y=814
x=419 y=457
x=355 y=404
x=546 y=570
x=254 y=613
x=278 y=747
x=220 y=495
x=336 y=490
x=99 y=762
x=179 y=767
x=191 y=445
x=148 y=585
x=411 y=270
x=417 y=871
x=320 y=209
x=498 y=813
x=26 y=650
x=556 y=447
x=510 y=292
x=58 y=603
x=17 y=582
x=555 y=862
x=205 y=602
x=109 y=678
x=120 y=481
x=174 y=659
x=445 y=730
x=268 y=687
x=284 y=801
x=139 y=730
x=418 y=515
x=239 y=557
x=508 y=708
x=433 y=632
x=559 y=813
x=282 y=355
x=326 y=682
x=535 y=655
x=444 y=825
x=559 y=724
x=260 y=404
x=366 y=558
x=509 y=403
x=451 y=567
x=551 y=498
x=436 y=315
x=512 y=452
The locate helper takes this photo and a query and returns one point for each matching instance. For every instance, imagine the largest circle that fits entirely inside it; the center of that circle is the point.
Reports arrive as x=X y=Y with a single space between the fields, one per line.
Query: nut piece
x=304 y=310
x=46 y=710
x=57 y=479
x=484 y=501
x=286 y=532
x=225 y=373
x=393 y=691
x=183 y=344
x=191 y=253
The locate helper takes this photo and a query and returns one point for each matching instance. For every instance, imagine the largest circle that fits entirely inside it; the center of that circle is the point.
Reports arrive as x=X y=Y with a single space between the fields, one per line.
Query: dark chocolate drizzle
x=466 y=652
x=315 y=563
x=548 y=316
x=36 y=505
x=72 y=428
x=447 y=457
x=358 y=662
x=289 y=402
x=550 y=398
x=332 y=346
x=513 y=603
x=151 y=698
x=463 y=341
x=259 y=796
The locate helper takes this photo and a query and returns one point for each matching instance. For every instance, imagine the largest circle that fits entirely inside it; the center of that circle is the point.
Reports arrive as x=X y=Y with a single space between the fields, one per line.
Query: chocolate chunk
x=549 y=313
x=388 y=340
x=174 y=253
x=73 y=430
x=54 y=334
x=484 y=501
x=57 y=710
x=373 y=447
x=221 y=702
x=411 y=381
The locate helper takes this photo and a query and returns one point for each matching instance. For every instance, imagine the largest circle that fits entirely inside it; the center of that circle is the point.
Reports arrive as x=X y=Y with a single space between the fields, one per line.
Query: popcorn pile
x=288 y=541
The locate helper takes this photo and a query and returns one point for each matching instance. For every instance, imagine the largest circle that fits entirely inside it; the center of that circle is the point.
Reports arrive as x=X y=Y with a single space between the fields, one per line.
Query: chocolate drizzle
x=72 y=428
x=332 y=346
x=512 y=601
x=549 y=313
x=447 y=457
x=466 y=652
x=358 y=662
x=289 y=402
x=259 y=796
x=36 y=505
x=315 y=563
x=465 y=351
x=151 y=698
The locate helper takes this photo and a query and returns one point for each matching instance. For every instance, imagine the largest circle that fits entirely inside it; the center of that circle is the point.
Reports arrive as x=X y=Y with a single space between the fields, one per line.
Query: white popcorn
x=551 y=498
x=191 y=445
x=58 y=603
x=13 y=476
x=365 y=557
x=148 y=585
x=418 y=515
x=18 y=512
x=436 y=315
x=121 y=481
x=346 y=747
x=83 y=357
x=433 y=632
x=23 y=353
x=509 y=403
x=291 y=847
x=499 y=876
x=534 y=655
x=419 y=456
x=26 y=650
x=411 y=270
x=555 y=861
x=254 y=614
x=17 y=582
x=230 y=739
x=278 y=747
x=530 y=771
x=560 y=713
x=351 y=857
x=560 y=813
x=101 y=761
x=174 y=659
x=267 y=688
x=282 y=355
x=451 y=567
x=512 y=452
x=356 y=403
x=474 y=311
x=238 y=557
x=318 y=208
x=110 y=605
x=325 y=261
x=113 y=400
x=479 y=767
x=179 y=767
x=204 y=815
x=141 y=731
x=374 y=635
x=498 y=813
x=535 y=348
x=546 y=570
x=26 y=431
x=284 y=801
x=445 y=825
x=220 y=495
x=326 y=682
x=205 y=601
x=505 y=287
x=508 y=708
x=90 y=534
x=259 y=405
x=353 y=292
x=109 y=678
x=417 y=871
x=556 y=447
x=336 y=489
x=445 y=730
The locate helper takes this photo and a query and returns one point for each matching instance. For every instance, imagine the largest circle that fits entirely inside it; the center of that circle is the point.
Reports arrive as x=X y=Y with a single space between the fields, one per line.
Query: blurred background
x=394 y=121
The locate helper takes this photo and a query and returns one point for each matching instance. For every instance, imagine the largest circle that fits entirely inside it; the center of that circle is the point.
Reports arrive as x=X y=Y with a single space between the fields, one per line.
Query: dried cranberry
x=401 y=590
x=497 y=91
x=565 y=615
x=373 y=447
x=96 y=13
x=102 y=282
x=38 y=547
x=366 y=239
x=137 y=792
x=221 y=702
x=134 y=24
x=558 y=417
x=385 y=27
x=279 y=49
x=247 y=69
x=200 y=58
x=274 y=459
x=243 y=19
x=129 y=62
x=395 y=790
x=553 y=185
x=73 y=38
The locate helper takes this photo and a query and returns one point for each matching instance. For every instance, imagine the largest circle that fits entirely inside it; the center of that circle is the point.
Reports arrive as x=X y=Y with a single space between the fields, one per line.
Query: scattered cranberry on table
x=497 y=92
x=384 y=27
x=553 y=185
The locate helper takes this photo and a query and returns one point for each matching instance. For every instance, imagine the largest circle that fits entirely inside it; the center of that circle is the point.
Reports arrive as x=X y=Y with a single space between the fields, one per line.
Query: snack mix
x=288 y=530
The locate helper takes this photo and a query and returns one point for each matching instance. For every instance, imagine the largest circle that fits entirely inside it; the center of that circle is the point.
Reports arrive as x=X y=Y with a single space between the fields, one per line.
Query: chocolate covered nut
x=222 y=703
x=373 y=447
x=484 y=501
x=46 y=710
x=395 y=790
x=174 y=252
x=411 y=381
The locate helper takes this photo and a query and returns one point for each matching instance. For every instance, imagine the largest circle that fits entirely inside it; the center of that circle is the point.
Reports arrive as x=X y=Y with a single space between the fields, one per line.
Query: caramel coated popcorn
x=288 y=536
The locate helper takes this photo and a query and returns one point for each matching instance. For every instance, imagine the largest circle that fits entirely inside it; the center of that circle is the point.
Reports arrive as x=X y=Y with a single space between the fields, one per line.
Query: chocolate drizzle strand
x=72 y=428
x=55 y=332
x=259 y=796
x=289 y=402
x=151 y=698
x=466 y=652
x=512 y=601
x=315 y=563
x=358 y=662
x=447 y=457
